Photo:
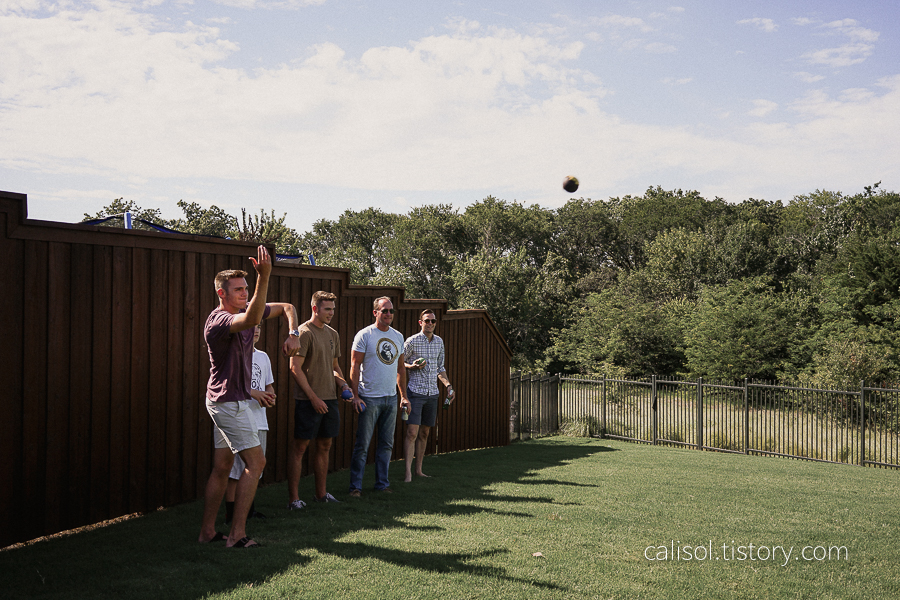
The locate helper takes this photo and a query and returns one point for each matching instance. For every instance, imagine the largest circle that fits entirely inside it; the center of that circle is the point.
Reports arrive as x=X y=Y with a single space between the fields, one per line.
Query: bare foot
x=422 y=475
x=408 y=478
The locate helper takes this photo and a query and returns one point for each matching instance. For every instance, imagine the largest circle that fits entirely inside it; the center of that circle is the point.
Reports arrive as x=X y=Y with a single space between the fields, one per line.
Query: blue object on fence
x=127 y=220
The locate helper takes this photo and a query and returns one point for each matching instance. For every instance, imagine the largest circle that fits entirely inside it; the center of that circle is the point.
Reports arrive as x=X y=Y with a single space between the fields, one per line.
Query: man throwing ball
x=229 y=336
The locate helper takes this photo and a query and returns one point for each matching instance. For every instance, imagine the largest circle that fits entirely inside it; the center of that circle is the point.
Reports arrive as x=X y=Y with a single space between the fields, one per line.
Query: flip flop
x=219 y=537
x=246 y=542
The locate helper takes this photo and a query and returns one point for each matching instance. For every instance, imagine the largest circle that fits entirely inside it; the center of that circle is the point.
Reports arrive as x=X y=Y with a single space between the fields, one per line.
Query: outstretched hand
x=263 y=262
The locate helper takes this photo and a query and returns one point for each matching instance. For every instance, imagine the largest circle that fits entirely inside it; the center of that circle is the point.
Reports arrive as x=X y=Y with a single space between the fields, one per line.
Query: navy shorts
x=310 y=425
x=424 y=409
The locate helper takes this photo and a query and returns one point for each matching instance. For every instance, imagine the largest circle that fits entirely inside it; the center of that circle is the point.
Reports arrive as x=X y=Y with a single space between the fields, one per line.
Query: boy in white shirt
x=263 y=391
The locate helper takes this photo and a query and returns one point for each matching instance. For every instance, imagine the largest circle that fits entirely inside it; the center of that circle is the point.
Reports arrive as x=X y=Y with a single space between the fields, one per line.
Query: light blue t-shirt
x=378 y=372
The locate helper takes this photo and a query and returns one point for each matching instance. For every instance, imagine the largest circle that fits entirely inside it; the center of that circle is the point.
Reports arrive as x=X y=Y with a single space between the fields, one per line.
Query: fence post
x=746 y=418
x=603 y=428
x=654 y=411
x=514 y=422
x=862 y=423
x=700 y=413
x=554 y=403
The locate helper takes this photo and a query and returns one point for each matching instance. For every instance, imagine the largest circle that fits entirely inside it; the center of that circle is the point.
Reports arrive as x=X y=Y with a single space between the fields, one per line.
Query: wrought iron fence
x=860 y=426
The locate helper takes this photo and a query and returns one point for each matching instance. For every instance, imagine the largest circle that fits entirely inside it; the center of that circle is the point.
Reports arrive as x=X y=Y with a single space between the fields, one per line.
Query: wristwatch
x=294 y=332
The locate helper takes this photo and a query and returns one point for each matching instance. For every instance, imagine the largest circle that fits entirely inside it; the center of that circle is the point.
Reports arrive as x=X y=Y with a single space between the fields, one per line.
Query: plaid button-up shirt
x=424 y=381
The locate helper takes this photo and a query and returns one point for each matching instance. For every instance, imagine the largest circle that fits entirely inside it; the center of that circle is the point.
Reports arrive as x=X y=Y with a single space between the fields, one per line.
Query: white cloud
x=860 y=46
x=621 y=22
x=116 y=93
x=842 y=56
x=660 y=48
x=851 y=29
x=761 y=108
x=767 y=25
x=808 y=77
x=676 y=81
x=109 y=92
x=271 y=4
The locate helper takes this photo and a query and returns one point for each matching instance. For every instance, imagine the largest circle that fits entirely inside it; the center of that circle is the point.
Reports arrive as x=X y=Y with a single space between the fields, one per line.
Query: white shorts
x=238 y=468
x=235 y=426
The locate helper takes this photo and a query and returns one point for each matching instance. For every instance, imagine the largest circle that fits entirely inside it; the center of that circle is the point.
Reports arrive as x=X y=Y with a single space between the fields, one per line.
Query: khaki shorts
x=238 y=468
x=235 y=427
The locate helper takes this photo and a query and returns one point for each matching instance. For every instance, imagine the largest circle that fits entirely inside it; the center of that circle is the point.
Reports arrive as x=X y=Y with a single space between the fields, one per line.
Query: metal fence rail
x=860 y=426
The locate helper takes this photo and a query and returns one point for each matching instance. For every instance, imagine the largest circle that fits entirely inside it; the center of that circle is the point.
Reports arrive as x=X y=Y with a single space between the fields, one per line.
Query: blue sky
x=313 y=107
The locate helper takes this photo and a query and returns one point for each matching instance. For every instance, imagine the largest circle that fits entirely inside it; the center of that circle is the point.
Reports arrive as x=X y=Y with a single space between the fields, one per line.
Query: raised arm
x=254 y=313
x=289 y=312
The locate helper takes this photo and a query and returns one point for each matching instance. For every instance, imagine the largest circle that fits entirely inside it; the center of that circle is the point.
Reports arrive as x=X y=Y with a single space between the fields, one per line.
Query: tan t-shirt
x=319 y=348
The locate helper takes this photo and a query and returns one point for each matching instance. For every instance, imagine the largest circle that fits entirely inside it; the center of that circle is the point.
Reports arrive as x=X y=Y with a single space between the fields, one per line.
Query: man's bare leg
x=255 y=462
x=421 y=441
x=320 y=455
x=295 y=467
x=409 y=443
x=223 y=459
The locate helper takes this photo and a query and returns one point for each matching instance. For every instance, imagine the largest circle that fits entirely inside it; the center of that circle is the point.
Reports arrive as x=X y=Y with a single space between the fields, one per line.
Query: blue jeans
x=381 y=412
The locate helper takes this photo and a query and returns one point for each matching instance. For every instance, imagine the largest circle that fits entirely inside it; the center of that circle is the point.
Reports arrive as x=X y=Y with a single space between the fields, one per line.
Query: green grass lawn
x=596 y=511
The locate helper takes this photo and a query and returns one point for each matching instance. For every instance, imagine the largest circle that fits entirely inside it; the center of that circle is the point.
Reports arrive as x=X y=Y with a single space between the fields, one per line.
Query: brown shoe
x=386 y=490
x=355 y=493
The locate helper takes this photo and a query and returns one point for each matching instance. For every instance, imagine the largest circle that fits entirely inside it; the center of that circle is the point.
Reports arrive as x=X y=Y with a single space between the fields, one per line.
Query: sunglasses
x=388 y=311
x=429 y=321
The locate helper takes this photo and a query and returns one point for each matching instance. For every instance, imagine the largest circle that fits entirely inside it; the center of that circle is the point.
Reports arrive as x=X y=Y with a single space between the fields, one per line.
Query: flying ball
x=570 y=184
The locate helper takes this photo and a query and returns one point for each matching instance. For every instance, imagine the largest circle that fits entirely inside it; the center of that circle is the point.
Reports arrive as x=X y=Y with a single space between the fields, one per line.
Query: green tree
x=356 y=241
x=678 y=264
x=203 y=221
x=421 y=253
x=614 y=332
x=502 y=228
x=747 y=329
x=641 y=219
x=524 y=301
x=585 y=235
x=119 y=207
x=268 y=229
x=813 y=229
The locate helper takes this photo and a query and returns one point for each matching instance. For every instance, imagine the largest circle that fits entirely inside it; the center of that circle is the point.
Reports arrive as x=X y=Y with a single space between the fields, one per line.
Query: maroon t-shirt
x=230 y=357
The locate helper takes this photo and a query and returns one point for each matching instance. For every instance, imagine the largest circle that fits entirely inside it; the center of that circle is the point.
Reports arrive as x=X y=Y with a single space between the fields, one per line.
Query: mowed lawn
x=552 y=518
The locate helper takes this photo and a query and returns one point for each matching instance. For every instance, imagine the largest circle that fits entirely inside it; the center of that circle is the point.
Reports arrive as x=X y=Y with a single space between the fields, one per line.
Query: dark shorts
x=310 y=425
x=424 y=409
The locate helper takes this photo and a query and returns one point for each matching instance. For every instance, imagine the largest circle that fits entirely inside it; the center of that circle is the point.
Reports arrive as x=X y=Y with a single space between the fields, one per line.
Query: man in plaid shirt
x=424 y=360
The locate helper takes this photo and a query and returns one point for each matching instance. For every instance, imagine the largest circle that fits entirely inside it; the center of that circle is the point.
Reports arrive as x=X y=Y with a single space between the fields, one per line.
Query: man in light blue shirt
x=376 y=373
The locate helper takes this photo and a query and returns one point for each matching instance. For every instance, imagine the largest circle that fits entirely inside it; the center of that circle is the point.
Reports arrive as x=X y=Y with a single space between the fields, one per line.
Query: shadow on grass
x=157 y=555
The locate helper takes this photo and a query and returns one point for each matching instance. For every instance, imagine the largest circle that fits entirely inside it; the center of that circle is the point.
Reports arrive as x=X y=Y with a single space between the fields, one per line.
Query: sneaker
x=355 y=493
x=326 y=498
x=296 y=505
x=255 y=514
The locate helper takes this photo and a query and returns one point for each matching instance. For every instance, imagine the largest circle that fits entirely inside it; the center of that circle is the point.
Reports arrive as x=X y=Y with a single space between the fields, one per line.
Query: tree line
x=667 y=282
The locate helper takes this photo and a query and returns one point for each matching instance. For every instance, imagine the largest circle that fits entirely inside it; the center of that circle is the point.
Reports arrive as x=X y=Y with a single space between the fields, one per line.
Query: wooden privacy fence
x=106 y=368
